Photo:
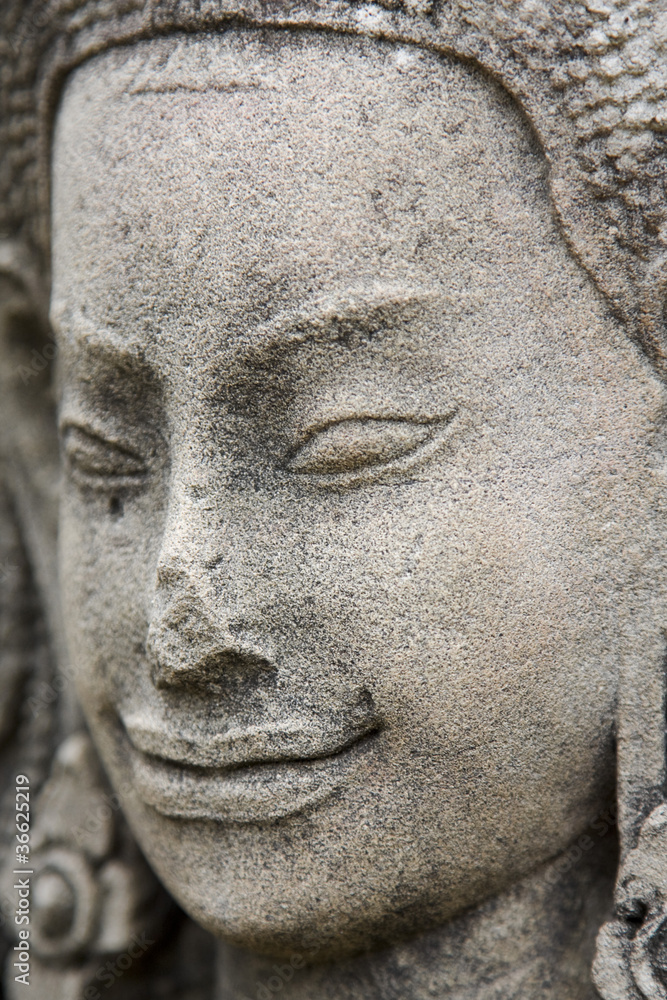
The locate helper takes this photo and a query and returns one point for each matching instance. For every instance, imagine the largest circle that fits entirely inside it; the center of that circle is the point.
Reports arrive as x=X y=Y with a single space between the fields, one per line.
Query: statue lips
x=249 y=775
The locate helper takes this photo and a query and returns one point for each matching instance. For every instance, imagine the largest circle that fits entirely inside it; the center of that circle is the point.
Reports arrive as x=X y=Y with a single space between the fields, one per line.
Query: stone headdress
x=591 y=76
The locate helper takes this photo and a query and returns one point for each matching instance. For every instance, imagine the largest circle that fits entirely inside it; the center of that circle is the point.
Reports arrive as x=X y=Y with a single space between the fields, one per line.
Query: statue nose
x=190 y=645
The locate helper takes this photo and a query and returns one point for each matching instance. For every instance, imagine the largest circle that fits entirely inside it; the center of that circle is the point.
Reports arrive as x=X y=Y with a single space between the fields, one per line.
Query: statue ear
x=28 y=438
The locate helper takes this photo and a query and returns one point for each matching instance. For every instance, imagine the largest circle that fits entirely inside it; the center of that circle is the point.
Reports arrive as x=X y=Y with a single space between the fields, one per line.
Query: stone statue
x=351 y=560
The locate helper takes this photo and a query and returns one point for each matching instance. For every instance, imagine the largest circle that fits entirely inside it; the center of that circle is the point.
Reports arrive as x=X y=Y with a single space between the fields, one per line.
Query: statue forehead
x=261 y=108
x=275 y=158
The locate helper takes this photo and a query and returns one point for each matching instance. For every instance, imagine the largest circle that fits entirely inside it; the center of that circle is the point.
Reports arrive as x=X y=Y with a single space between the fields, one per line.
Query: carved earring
x=631 y=953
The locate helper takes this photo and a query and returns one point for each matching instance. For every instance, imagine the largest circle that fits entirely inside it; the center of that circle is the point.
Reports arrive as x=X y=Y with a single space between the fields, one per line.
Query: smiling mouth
x=248 y=775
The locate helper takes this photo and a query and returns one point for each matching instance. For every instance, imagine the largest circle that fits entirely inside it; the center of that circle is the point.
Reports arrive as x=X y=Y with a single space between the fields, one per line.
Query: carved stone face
x=357 y=485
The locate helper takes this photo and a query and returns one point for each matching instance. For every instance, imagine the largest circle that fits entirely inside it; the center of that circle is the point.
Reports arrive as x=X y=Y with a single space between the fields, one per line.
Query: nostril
x=187 y=649
x=189 y=644
x=223 y=668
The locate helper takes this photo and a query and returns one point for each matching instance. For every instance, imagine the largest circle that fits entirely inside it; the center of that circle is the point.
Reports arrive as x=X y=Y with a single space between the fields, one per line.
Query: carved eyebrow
x=346 y=320
x=336 y=320
x=73 y=330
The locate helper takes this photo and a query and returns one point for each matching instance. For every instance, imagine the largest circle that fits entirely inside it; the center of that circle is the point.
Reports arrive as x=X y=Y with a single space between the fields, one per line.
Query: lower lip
x=251 y=794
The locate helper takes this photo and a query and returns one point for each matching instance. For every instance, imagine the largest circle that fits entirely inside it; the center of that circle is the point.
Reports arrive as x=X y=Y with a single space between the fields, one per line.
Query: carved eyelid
x=94 y=449
x=380 y=443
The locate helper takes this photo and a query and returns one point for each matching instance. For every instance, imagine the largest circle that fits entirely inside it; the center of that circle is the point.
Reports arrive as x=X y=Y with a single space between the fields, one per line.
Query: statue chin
x=361 y=527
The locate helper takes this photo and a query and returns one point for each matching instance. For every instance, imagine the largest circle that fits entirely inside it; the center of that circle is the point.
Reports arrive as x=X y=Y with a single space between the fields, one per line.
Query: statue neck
x=535 y=941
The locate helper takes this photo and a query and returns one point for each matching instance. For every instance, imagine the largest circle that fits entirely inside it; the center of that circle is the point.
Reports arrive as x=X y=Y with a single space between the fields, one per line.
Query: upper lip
x=292 y=740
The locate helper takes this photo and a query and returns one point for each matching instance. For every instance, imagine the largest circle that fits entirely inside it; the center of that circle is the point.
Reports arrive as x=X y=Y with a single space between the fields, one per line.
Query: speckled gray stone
x=360 y=581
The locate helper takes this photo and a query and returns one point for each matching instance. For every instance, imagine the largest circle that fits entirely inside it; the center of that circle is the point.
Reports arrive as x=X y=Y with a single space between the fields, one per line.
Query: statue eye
x=350 y=445
x=94 y=461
